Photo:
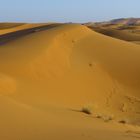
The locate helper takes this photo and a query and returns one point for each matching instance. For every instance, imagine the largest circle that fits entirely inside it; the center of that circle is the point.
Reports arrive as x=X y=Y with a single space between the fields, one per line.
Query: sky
x=67 y=10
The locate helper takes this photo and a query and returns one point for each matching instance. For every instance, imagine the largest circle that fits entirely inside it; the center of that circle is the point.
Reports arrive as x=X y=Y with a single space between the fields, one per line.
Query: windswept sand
x=49 y=76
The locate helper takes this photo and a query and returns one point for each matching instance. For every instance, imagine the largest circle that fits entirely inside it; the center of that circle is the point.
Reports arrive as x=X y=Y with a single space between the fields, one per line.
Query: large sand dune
x=48 y=76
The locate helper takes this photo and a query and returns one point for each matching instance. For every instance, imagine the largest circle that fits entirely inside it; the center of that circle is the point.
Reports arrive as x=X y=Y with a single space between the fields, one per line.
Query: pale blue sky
x=67 y=10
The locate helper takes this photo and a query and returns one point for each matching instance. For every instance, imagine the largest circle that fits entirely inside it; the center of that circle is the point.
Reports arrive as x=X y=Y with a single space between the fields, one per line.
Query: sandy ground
x=68 y=82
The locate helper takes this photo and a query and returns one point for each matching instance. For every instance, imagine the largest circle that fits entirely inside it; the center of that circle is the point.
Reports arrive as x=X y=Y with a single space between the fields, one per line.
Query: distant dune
x=124 y=29
x=121 y=21
x=120 y=34
x=6 y=28
x=66 y=81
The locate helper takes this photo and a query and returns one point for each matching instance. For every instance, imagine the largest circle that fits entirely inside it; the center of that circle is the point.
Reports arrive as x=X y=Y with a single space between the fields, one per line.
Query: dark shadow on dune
x=17 y=34
x=83 y=110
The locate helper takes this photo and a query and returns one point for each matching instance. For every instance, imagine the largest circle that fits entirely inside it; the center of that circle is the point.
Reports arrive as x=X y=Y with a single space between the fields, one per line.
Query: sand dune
x=9 y=25
x=49 y=76
x=124 y=29
x=4 y=28
x=10 y=35
x=123 y=35
x=116 y=22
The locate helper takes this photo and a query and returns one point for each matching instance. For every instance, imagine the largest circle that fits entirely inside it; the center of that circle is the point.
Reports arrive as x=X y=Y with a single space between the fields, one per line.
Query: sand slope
x=47 y=77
